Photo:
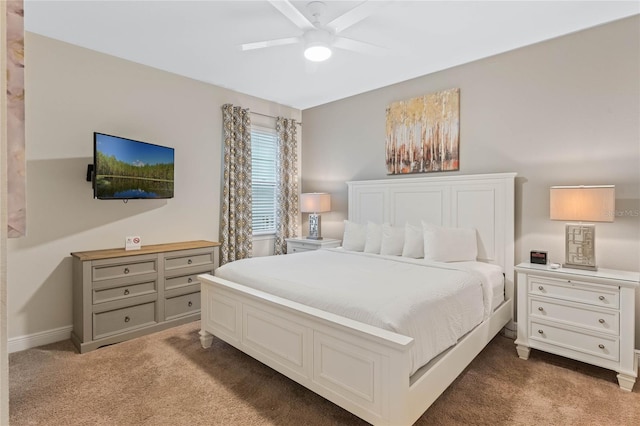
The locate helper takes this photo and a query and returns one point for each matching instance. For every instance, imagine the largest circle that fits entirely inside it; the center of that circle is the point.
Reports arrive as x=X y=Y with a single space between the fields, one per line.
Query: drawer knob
x=601 y=321
x=189 y=261
x=127 y=319
x=540 y=288
x=601 y=297
x=126 y=291
x=190 y=303
x=540 y=308
x=190 y=280
x=601 y=346
x=540 y=331
x=126 y=270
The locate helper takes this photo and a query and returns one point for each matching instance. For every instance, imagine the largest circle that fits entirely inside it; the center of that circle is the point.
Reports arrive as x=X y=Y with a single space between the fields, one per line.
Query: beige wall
x=561 y=112
x=72 y=92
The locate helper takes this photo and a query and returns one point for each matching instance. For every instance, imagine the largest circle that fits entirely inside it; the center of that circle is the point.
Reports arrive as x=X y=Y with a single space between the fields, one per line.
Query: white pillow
x=374 y=238
x=392 y=240
x=413 y=241
x=354 y=237
x=449 y=244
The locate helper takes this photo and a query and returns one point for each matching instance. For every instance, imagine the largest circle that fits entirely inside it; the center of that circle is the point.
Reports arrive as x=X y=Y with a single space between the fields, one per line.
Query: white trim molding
x=29 y=341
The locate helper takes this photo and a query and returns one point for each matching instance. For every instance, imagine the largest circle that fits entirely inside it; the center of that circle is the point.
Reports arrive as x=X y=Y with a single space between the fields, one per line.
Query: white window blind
x=263 y=180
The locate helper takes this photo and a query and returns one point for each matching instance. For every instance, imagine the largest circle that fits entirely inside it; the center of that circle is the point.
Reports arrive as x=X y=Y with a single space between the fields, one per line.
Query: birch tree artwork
x=423 y=134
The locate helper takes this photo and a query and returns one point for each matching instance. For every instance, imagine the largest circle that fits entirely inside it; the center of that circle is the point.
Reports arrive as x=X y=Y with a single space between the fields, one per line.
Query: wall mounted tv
x=126 y=169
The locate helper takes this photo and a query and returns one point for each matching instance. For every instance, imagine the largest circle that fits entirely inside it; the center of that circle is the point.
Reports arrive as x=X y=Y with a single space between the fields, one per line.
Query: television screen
x=125 y=169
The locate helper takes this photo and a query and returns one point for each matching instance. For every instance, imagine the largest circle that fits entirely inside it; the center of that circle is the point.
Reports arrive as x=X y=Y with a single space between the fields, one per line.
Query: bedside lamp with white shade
x=314 y=203
x=594 y=203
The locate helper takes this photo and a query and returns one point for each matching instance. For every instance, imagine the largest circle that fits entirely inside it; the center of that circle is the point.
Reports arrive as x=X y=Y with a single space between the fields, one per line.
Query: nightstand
x=297 y=245
x=584 y=315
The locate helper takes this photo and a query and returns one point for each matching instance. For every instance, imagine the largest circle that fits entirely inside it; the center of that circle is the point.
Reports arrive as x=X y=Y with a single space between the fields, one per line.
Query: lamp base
x=314 y=227
x=580 y=246
x=575 y=266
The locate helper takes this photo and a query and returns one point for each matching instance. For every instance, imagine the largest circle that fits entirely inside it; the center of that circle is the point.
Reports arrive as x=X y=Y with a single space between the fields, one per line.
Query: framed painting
x=423 y=134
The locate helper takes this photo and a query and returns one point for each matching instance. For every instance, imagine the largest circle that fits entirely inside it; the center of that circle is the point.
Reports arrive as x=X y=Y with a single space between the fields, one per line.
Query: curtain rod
x=270 y=116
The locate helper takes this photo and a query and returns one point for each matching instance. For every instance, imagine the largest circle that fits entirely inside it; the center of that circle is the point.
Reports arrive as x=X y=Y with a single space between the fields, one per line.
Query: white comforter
x=434 y=303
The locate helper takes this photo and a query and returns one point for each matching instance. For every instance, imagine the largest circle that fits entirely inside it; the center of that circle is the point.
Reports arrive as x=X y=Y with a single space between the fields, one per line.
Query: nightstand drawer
x=298 y=249
x=119 y=320
x=579 y=315
x=600 y=346
x=575 y=291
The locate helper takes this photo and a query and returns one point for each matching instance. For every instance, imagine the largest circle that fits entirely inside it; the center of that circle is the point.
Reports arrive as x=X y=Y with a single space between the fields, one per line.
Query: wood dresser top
x=156 y=248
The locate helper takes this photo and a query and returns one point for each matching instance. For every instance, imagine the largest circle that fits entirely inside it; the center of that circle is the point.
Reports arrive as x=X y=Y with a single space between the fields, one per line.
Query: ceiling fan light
x=317 y=53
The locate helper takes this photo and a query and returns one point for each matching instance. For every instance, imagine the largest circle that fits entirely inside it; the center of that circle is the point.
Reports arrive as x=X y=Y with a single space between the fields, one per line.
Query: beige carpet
x=168 y=379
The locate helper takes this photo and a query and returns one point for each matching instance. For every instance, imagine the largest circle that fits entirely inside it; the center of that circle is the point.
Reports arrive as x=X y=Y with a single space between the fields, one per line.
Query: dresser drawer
x=182 y=305
x=123 y=269
x=575 y=291
x=188 y=259
x=123 y=292
x=184 y=280
x=125 y=319
x=600 y=346
x=580 y=315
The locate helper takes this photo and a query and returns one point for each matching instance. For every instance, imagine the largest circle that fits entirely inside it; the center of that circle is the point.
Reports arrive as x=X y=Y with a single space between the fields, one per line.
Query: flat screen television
x=126 y=169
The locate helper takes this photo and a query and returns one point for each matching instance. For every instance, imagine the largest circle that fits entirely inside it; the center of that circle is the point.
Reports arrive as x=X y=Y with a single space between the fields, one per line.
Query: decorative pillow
x=392 y=240
x=374 y=238
x=449 y=244
x=354 y=237
x=413 y=241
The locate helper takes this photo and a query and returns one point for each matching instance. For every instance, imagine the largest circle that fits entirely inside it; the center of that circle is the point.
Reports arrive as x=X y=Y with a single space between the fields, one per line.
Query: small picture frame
x=538 y=257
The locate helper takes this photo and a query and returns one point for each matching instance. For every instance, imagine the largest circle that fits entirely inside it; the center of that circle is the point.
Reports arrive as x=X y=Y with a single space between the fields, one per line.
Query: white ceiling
x=201 y=39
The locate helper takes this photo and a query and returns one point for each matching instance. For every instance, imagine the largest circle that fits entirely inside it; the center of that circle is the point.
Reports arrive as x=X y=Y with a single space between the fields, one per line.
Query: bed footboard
x=361 y=368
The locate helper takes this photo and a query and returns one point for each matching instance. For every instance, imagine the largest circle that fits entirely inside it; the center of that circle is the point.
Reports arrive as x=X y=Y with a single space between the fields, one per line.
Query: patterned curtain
x=287 y=190
x=235 y=223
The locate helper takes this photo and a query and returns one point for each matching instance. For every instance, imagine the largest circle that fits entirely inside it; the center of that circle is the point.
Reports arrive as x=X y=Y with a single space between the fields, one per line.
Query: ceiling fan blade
x=293 y=14
x=356 y=14
x=270 y=43
x=359 y=46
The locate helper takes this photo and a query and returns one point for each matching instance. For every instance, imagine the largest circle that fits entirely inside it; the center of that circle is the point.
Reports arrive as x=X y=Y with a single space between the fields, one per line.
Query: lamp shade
x=315 y=202
x=594 y=203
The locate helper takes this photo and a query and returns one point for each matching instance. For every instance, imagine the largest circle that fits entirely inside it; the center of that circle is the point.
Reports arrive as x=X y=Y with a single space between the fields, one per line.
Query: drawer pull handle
x=126 y=270
x=127 y=319
x=190 y=280
x=540 y=331
x=601 y=297
x=126 y=291
x=189 y=261
x=540 y=308
x=190 y=303
x=540 y=288
x=601 y=321
x=601 y=346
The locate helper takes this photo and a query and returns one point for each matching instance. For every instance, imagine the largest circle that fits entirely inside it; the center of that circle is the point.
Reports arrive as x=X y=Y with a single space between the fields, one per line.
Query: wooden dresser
x=119 y=295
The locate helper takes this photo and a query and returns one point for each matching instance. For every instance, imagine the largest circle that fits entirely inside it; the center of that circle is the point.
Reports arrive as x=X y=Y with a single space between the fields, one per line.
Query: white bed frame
x=365 y=369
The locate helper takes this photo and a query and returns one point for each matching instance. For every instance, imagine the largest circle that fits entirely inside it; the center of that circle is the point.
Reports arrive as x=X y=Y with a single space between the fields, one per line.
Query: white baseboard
x=637 y=360
x=29 y=341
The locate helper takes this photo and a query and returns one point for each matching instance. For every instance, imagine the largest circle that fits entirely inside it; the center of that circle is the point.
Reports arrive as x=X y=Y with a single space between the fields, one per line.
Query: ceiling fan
x=319 y=38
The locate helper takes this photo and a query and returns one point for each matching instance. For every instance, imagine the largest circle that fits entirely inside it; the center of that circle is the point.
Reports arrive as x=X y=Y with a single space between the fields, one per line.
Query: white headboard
x=483 y=202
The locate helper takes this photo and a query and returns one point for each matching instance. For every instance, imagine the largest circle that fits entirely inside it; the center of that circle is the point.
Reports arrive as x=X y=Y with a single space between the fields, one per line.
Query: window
x=264 y=149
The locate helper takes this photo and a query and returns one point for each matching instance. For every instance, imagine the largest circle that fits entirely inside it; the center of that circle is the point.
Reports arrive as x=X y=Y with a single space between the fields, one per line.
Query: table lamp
x=314 y=203
x=595 y=203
